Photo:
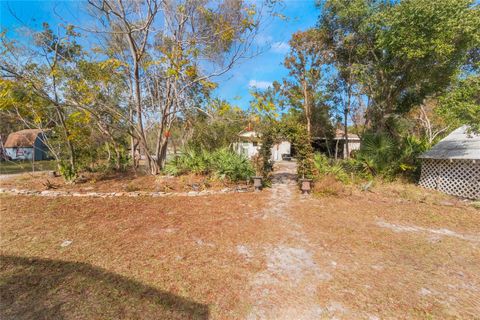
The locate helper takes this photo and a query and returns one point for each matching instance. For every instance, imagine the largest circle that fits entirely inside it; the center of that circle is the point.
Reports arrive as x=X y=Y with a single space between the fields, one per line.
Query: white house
x=249 y=145
x=453 y=165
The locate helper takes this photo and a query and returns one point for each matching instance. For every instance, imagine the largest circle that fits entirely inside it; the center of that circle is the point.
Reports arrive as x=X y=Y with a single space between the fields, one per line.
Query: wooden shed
x=26 y=144
x=453 y=165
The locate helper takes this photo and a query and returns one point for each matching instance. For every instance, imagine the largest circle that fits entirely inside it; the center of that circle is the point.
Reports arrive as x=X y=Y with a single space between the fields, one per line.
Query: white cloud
x=259 y=84
x=263 y=39
x=280 y=47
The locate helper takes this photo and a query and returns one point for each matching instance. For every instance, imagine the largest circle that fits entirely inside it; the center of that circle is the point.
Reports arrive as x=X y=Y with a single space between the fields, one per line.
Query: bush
x=329 y=185
x=227 y=164
x=381 y=155
x=335 y=169
x=222 y=163
x=67 y=171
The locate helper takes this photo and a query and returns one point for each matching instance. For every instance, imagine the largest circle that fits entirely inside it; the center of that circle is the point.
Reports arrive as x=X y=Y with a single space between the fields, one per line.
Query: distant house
x=249 y=144
x=341 y=141
x=453 y=165
x=26 y=145
x=338 y=145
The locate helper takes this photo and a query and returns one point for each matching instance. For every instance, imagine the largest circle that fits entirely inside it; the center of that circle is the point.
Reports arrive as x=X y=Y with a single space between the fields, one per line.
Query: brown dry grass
x=182 y=249
x=377 y=271
x=178 y=258
x=115 y=182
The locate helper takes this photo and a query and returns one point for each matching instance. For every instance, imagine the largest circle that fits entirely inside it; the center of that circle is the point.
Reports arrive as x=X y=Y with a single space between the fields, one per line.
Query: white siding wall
x=19 y=153
x=283 y=147
x=249 y=150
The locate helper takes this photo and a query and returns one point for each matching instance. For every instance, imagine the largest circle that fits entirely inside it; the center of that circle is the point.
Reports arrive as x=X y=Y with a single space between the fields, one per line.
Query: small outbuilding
x=337 y=147
x=26 y=144
x=453 y=165
x=249 y=145
x=341 y=141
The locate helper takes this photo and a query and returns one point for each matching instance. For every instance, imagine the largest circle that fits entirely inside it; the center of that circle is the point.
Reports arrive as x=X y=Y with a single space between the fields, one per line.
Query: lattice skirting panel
x=457 y=177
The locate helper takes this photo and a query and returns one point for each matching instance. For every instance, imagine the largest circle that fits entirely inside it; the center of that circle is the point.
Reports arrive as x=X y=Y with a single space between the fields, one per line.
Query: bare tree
x=172 y=50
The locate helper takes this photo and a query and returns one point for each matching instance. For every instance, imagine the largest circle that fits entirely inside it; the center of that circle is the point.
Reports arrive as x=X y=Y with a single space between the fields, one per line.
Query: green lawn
x=10 y=167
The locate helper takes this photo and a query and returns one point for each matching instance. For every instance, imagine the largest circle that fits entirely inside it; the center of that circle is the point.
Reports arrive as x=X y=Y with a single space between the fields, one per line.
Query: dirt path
x=286 y=289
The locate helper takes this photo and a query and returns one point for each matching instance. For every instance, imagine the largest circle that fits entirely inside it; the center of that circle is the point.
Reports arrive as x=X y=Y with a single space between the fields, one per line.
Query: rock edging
x=53 y=193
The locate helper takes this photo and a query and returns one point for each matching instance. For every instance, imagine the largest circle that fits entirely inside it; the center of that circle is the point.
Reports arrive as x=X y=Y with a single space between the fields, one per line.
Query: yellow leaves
x=209 y=85
x=191 y=71
x=78 y=124
x=111 y=64
x=251 y=10
x=181 y=9
x=37 y=119
x=80 y=117
x=55 y=72
x=172 y=72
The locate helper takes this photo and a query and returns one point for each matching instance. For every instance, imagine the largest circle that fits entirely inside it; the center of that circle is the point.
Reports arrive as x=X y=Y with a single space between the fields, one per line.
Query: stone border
x=52 y=193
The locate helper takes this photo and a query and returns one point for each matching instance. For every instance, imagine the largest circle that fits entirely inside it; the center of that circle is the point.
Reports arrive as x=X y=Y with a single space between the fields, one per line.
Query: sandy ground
x=397 y=252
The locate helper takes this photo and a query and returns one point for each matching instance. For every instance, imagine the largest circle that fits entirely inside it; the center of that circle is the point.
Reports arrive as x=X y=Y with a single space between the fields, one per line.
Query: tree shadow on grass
x=34 y=288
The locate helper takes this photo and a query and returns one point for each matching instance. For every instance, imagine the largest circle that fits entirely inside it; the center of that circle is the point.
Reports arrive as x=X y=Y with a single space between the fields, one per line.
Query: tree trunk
x=345 y=127
x=336 y=150
x=152 y=165
x=133 y=145
x=306 y=106
x=61 y=118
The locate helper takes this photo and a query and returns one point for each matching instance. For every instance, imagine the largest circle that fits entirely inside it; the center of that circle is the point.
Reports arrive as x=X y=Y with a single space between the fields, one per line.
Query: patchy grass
x=11 y=167
x=396 y=257
x=117 y=182
x=178 y=254
x=393 y=252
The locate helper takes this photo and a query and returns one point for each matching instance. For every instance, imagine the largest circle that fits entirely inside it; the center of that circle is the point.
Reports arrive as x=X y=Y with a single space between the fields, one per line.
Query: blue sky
x=234 y=86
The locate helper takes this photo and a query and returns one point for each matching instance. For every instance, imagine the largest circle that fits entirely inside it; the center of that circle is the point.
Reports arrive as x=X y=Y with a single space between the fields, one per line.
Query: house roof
x=457 y=145
x=248 y=134
x=340 y=135
x=22 y=138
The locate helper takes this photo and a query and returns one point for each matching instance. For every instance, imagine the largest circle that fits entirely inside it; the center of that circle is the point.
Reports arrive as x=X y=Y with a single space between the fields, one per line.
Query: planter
x=306 y=185
x=258 y=183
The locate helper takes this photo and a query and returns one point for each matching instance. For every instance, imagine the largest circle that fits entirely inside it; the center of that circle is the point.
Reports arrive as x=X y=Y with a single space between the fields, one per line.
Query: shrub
x=222 y=163
x=384 y=156
x=66 y=171
x=190 y=161
x=335 y=169
x=328 y=185
x=227 y=164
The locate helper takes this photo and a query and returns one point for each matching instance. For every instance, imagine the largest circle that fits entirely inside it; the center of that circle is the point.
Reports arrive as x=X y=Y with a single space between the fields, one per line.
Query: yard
x=12 y=167
x=396 y=251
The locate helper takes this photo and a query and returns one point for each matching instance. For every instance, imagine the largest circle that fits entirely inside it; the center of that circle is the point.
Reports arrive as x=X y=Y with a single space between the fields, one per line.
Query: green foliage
x=268 y=137
x=221 y=163
x=267 y=102
x=461 y=105
x=381 y=155
x=229 y=165
x=67 y=171
x=304 y=152
x=326 y=166
x=400 y=52
x=190 y=161
x=217 y=127
x=288 y=129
